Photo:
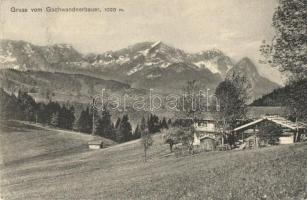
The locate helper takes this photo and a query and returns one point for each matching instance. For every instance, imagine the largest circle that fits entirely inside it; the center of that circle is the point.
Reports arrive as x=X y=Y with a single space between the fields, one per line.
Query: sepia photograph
x=153 y=99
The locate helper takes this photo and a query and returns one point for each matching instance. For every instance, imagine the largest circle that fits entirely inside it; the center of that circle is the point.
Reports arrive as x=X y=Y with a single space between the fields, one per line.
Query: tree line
x=23 y=107
x=287 y=52
x=122 y=130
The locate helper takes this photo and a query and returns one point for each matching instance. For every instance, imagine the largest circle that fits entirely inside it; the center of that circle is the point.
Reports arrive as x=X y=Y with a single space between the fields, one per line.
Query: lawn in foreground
x=119 y=172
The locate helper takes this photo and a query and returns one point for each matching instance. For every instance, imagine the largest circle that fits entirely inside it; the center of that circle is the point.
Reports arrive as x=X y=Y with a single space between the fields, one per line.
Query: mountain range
x=143 y=66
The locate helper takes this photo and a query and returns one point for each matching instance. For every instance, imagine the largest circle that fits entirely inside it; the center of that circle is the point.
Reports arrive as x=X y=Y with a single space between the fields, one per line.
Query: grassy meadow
x=36 y=163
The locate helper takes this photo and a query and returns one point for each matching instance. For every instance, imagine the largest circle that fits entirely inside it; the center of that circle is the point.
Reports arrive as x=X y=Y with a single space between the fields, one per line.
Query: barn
x=291 y=133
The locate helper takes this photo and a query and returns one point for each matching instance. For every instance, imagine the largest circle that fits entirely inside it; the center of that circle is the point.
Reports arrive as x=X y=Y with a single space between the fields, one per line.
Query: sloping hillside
x=36 y=171
x=23 y=142
x=60 y=86
x=280 y=96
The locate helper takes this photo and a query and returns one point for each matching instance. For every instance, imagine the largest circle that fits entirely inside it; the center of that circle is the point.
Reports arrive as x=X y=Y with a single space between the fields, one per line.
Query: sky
x=237 y=27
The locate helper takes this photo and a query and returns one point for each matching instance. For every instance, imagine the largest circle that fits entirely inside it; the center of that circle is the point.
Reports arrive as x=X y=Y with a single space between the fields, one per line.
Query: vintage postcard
x=153 y=99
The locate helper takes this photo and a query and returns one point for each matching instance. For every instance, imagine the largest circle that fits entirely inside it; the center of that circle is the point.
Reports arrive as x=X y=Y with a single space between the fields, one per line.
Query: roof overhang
x=275 y=119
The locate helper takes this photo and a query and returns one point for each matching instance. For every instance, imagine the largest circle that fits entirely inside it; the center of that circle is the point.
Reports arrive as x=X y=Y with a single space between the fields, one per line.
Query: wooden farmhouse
x=291 y=131
x=207 y=136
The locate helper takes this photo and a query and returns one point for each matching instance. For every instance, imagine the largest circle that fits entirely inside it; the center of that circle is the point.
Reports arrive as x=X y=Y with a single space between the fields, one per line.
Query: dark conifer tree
x=164 y=124
x=62 y=117
x=51 y=108
x=117 y=122
x=137 y=132
x=9 y=106
x=153 y=124
x=27 y=105
x=70 y=117
x=105 y=128
x=143 y=125
x=54 y=121
x=169 y=122
x=84 y=122
x=41 y=114
x=125 y=129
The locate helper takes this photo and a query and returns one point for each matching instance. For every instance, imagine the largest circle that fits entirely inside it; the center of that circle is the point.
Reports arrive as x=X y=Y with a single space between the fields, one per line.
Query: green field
x=47 y=164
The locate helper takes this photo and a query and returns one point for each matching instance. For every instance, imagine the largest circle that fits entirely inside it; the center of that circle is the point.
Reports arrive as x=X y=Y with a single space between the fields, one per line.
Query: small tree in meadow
x=170 y=137
x=54 y=121
x=147 y=142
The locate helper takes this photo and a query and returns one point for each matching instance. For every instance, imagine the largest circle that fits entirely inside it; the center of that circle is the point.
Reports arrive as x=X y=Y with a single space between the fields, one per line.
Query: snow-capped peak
x=155 y=44
x=135 y=69
x=209 y=65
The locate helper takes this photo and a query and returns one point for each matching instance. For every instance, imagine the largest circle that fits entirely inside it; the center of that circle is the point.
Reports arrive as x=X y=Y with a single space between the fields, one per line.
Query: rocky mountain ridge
x=143 y=65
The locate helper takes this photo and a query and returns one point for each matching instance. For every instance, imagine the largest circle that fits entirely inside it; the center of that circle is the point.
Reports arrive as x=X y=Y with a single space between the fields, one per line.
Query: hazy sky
x=236 y=27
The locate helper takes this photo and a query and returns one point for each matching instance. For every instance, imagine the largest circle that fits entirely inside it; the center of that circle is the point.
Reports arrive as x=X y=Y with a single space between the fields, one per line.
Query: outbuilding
x=95 y=144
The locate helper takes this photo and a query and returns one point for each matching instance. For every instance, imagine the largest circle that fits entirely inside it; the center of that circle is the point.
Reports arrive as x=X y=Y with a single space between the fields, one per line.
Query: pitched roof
x=276 y=119
x=95 y=142
x=249 y=124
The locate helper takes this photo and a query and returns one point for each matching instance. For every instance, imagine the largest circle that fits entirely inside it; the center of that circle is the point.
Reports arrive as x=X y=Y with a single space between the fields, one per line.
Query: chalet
x=291 y=131
x=95 y=144
x=206 y=135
